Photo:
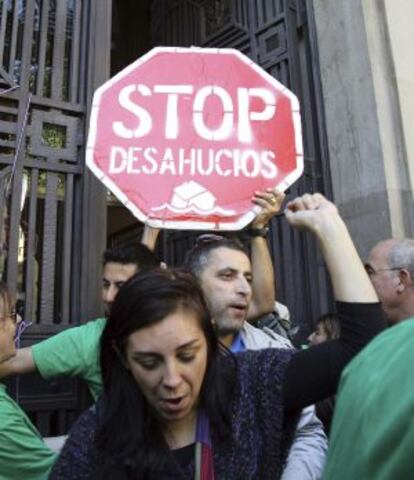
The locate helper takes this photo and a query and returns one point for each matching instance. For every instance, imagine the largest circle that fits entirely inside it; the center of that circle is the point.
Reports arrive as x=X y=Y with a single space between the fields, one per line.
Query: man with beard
x=224 y=272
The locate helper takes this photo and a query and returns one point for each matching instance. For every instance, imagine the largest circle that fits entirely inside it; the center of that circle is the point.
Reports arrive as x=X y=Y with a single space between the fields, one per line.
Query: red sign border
x=191 y=225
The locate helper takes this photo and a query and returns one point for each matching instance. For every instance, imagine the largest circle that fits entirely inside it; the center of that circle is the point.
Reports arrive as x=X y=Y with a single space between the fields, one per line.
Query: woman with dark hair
x=178 y=405
x=23 y=453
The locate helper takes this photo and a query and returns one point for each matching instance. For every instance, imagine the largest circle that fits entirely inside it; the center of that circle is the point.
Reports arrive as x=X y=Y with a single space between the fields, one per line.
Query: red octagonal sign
x=184 y=137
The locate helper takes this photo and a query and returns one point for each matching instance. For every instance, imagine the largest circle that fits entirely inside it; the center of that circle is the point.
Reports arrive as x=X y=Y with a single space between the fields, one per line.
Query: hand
x=310 y=212
x=271 y=201
x=150 y=236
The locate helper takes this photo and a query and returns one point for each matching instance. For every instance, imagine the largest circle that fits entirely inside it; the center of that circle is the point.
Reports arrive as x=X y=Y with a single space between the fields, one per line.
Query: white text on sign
x=173 y=92
x=225 y=162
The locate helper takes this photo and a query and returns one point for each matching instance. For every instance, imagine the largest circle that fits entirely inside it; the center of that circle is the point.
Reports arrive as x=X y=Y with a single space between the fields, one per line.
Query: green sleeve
x=23 y=453
x=73 y=352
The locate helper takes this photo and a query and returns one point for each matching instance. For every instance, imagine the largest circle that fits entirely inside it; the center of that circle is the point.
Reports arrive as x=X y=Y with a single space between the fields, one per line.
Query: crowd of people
x=186 y=385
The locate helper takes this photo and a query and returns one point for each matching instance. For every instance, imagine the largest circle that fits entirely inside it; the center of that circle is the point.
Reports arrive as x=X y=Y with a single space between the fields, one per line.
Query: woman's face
x=8 y=325
x=318 y=336
x=168 y=360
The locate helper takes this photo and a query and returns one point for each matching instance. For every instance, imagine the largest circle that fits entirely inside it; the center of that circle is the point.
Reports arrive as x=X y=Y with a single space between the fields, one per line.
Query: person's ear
x=405 y=280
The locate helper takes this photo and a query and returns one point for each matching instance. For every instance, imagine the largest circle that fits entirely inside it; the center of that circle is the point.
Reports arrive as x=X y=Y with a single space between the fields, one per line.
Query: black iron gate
x=52 y=56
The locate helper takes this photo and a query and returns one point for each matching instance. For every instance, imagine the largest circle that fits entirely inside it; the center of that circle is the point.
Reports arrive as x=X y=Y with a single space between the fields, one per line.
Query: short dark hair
x=197 y=258
x=138 y=254
x=129 y=435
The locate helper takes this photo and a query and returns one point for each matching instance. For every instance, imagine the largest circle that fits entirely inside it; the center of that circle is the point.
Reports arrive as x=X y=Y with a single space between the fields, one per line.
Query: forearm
x=349 y=280
x=21 y=363
x=313 y=374
x=263 y=287
x=308 y=453
x=150 y=237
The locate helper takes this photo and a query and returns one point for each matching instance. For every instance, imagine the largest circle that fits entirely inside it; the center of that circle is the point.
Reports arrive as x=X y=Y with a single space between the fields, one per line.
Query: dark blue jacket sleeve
x=76 y=460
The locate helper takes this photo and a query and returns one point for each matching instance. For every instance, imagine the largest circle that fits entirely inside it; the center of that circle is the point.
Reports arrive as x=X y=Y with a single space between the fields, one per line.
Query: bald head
x=390 y=265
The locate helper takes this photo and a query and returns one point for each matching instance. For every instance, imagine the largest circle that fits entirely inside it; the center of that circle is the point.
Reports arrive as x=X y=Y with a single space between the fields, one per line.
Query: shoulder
x=255 y=338
x=10 y=412
x=76 y=460
x=393 y=349
x=90 y=332
x=263 y=368
x=87 y=422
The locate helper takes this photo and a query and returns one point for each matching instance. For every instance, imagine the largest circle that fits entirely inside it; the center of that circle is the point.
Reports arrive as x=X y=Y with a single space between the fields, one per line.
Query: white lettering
x=171 y=118
x=255 y=163
x=148 y=155
x=132 y=159
x=167 y=163
x=269 y=169
x=145 y=121
x=224 y=130
x=219 y=155
x=245 y=115
x=117 y=154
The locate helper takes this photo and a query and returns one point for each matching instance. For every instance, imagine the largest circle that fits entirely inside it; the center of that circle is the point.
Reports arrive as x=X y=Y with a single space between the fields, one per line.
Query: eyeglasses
x=371 y=270
x=19 y=332
x=207 y=238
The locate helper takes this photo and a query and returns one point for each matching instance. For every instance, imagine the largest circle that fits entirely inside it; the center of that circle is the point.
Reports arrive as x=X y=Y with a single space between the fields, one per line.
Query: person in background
x=75 y=351
x=327 y=328
x=23 y=453
x=390 y=266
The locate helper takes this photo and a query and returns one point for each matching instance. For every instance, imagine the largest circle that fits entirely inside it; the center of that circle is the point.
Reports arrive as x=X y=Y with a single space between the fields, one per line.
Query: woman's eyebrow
x=189 y=344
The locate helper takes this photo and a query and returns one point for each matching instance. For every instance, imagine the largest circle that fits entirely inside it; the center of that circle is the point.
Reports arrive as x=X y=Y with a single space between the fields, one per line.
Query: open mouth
x=173 y=404
x=239 y=308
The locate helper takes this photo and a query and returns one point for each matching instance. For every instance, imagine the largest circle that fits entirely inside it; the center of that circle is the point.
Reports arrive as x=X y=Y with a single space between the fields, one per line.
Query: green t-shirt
x=23 y=453
x=373 y=427
x=73 y=352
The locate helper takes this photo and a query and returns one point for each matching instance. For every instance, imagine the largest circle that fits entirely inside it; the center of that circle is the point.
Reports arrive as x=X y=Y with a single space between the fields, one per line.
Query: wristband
x=258 y=232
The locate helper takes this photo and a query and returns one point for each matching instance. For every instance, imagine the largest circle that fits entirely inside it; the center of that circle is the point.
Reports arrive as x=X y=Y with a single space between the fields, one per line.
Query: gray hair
x=199 y=256
x=402 y=255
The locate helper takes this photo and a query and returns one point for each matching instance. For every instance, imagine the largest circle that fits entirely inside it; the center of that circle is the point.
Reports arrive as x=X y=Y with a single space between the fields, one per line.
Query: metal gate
x=279 y=36
x=52 y=55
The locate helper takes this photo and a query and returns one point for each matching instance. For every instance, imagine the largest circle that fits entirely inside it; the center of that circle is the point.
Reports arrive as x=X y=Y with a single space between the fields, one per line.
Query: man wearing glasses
x=390 y=265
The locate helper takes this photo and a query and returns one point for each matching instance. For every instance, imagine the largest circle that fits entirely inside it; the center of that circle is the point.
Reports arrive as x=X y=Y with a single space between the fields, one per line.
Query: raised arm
x=150 y=236
x=320 y=216
x=314 y=374
x=263 y=285
x=21 y=363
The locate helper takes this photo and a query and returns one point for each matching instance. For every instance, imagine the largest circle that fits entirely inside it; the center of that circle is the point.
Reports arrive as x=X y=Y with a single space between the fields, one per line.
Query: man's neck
x=405 y=312
x=227 y=340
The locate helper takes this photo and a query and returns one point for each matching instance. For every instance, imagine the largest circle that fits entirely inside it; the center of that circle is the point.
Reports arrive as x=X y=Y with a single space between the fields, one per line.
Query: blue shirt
x=238 y=344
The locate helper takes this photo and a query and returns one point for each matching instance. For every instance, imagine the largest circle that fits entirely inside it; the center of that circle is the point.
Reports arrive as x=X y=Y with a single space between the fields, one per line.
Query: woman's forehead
x=173 y=332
